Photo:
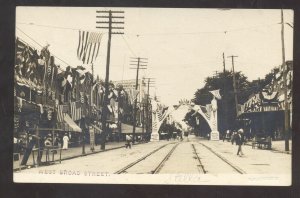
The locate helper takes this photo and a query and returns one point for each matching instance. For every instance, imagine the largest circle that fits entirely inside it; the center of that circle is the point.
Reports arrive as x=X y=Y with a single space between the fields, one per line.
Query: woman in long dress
x=65 y=142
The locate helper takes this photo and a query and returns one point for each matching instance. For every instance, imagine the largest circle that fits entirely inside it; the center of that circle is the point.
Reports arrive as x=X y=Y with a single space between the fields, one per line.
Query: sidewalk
x=277 y=145
x=254 y=161
x=73 y=153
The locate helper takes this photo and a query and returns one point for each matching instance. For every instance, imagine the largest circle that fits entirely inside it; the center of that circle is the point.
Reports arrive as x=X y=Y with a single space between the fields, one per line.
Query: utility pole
x=140 y=64
x=286 y=105
x=150 y=81
x=216 y=73
x=225 y=97
x=108 y=15
x=234 y=84
x=224 y=69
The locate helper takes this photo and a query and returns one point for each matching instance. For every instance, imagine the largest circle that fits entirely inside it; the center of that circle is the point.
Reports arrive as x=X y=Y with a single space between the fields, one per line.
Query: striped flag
x=88 y=46
x=75 y=111
x=61 y=111
x=21 y=48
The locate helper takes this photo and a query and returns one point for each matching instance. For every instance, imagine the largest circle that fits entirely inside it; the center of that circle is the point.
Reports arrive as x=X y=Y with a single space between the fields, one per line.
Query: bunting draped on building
x=88 y=46
x=75 y=111
x=62 y=110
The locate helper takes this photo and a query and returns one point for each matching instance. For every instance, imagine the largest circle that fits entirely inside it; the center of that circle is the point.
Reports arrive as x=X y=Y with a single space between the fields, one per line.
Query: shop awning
x=126 y=128
x=70 y=125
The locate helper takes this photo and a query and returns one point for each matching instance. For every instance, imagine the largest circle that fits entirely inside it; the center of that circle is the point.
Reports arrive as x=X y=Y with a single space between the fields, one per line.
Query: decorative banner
x=82 y=97
x=216 y=94
x=268 y=96
x=75 y=111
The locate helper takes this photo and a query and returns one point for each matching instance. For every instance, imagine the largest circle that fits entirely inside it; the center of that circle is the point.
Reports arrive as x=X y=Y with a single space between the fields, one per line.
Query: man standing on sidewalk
x=128 y=141
x=240 y=141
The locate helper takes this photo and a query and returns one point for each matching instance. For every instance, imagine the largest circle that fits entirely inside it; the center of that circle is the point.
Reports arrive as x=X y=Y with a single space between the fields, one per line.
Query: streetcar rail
x=239 y=170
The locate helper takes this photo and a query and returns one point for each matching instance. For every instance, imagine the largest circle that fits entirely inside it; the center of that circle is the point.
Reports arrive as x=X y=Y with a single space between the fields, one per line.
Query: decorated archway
x=208 y=112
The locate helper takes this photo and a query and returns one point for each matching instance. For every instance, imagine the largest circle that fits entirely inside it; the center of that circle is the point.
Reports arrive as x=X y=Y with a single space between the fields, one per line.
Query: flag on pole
x=88 y=46
x=216 y=94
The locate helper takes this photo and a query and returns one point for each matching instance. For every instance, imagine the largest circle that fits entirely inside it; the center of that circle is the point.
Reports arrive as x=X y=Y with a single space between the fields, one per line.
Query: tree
x=226 y=106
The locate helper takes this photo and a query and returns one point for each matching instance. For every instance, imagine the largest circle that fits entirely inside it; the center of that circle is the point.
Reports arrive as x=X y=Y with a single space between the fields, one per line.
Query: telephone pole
x=108 y=17
x=140 y=63
x=234 y=84
x=150 y=82
x=225 y=97
x=224 y=69
x=286 y=105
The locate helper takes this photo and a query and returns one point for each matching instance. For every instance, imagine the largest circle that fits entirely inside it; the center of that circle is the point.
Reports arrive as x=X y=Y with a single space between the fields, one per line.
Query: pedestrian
x=240 y=141
x=16 y=142
x=48 y=141
x=233 y=137
x=227 y=135
x=57 y=141
x=186 y=134
x=32 y=141
x=207 y=136
x=128 y=141
x=65 y=141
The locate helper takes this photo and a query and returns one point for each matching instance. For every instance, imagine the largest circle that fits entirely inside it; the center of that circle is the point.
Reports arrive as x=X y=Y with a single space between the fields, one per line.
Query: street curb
x=82 y=155
x=275 y=150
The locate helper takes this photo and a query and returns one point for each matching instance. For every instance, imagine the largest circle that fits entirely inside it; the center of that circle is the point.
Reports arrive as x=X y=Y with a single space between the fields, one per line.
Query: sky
x=183 y=46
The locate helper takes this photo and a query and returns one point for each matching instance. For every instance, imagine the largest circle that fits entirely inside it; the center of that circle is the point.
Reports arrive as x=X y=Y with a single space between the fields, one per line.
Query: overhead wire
x=42 y=46
x=57 y=27
x=206 y=32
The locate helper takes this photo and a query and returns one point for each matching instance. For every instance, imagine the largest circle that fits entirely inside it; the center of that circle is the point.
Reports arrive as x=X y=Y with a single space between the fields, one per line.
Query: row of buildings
x=56 y=101
x=263 y=112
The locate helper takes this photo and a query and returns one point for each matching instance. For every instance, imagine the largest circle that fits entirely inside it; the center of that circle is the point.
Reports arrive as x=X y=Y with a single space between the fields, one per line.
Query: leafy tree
x=226 y=106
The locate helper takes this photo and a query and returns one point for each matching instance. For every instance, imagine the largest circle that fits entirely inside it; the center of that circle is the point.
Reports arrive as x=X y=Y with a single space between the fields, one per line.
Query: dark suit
x=239 y=141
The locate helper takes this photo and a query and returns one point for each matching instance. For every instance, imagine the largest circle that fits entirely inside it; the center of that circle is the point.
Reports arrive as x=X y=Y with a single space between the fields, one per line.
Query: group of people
x=64 y=144
x=236 y=137
x=42 y=142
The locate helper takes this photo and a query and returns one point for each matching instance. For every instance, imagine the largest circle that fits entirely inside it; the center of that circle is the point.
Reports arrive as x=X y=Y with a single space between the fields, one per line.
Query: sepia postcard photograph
x=165 y=96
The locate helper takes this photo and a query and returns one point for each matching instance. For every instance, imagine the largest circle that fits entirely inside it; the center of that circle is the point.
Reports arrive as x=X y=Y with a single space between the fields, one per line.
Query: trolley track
x=158 y=168
x=199 y=160
x=236 y=168
x=162 y=163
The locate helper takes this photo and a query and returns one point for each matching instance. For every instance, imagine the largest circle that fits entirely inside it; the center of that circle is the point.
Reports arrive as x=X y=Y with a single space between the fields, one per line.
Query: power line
x=153 y=34
x=41 y=45
x=206 y=32
x=54 y=27
x=130 y=49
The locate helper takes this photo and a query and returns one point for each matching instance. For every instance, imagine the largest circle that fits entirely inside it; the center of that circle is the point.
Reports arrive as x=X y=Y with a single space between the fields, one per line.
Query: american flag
x=75 y=111
x=61 y=112
x=88 y=46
